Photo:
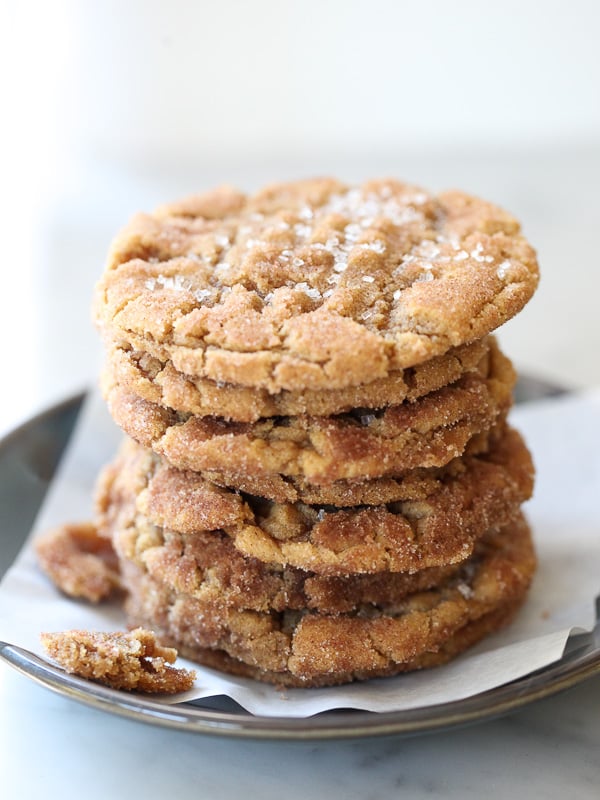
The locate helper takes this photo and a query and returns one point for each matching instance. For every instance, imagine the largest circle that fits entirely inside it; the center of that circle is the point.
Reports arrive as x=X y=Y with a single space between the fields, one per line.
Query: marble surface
x=549 y=749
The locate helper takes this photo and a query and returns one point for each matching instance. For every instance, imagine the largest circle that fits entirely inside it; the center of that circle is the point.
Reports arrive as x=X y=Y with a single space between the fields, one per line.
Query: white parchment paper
x=564 y=436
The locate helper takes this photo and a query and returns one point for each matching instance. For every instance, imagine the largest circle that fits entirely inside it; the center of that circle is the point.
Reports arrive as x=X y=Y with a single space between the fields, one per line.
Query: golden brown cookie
x=414 y=484
x=313 y=284
x=313 y=649
x=465 y=637
x=79 y=561
x=470 y=496
x=207 y=566
x=357 y=446
x=160 y=383
x=133 y=661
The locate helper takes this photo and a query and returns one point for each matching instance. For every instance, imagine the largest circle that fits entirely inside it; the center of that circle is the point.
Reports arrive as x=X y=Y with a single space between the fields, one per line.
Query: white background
x=110 y=107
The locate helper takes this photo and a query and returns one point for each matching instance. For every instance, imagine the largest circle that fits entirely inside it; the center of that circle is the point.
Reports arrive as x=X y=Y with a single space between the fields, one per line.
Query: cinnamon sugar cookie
x=470 y=496
x=314 y=649
x=207 y=566
x=160 y=383
x=313 y=284
x=357 y=446
x=412 y=485
x=134 y=661
x=79 y=560
x=467 y=636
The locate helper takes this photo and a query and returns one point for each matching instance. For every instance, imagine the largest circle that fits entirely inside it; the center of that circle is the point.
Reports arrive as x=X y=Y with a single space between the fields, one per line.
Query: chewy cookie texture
x=318 y=483
x=133 y=661
x=313 y=285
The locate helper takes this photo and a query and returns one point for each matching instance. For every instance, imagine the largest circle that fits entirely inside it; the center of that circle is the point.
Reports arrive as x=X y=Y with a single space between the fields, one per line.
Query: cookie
x=313 y=284
x=159 y=382
x=357 y=446
x=134 y=661
x=79 y=561
x=207 y=566
x=412 y=485
x=472 y=495
x=467 y=636
x=314 y=649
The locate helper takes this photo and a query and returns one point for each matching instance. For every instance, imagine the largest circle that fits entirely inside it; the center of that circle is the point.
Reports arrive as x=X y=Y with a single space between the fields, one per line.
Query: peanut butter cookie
x=313 y=649
x=470 y=496
x=133 y=661
x=313 y=284
x=159 y=382
x=207 y=566
x=357 y=446
x=80 y=561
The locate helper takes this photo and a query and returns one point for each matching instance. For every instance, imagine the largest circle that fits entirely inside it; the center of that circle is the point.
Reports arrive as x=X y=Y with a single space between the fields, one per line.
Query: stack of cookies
x=318 y=483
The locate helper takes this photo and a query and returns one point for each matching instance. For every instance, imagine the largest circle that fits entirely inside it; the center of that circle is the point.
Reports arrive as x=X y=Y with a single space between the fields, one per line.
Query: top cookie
x=313 y=284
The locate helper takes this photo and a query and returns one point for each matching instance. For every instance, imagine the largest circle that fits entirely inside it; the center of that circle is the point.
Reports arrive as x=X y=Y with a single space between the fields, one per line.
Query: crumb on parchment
x=134 y=661
x=79 y=561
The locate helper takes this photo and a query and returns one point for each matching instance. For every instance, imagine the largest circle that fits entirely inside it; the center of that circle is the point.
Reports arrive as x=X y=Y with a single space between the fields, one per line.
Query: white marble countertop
x=50 y=744
x=54 y=746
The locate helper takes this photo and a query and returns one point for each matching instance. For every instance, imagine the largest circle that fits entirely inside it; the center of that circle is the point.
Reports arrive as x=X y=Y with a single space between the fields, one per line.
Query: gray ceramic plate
x=28 y=458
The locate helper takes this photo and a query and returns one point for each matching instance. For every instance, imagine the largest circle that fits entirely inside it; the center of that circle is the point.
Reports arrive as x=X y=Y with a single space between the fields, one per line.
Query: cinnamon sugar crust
x=315 y=649
x=357 y=446
x=313 y=284
x=133 y=661
x=472 y=495
x=159 y=382
x=79 y=561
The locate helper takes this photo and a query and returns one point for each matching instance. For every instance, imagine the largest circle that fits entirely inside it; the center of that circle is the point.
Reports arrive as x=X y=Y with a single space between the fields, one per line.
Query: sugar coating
x=134 y=661
x=79 y=561
x=313 y=284
x=436 y=520
x=322 y=450
x=307 y=648
x=159 y=382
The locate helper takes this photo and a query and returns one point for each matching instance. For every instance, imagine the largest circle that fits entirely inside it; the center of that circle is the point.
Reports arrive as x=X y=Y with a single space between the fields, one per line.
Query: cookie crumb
x=134 y=661
x=79 y=561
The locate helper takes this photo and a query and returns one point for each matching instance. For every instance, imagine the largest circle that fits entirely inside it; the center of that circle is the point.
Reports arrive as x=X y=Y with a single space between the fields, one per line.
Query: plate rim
x=192 y=717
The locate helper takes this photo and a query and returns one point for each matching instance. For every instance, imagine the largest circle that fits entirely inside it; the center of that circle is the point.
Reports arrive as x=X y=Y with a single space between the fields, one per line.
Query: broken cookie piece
x=134 y=661
x=80 y=561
